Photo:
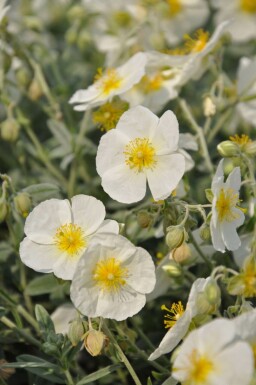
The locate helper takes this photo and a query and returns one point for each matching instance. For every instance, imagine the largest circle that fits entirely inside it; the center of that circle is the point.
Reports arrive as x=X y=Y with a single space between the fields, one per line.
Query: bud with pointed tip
x=76 y=331
x=94 y=342
x=10 y=130
x=22 y=203
x=175 y=236
x=205 y=232
x=228 y=149
x=144 y=219
x=182 y=254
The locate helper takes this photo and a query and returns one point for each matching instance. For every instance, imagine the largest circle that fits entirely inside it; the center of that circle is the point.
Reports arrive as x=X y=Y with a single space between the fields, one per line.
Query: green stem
x=199 y=131
x=123 y=357
x=219 y=125
x=7 y=322
x=206 y=260
x=28 y=318
x=68 y=377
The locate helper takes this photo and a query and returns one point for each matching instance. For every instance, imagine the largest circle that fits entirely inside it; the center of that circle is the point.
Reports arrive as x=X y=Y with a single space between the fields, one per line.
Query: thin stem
x=219 y=125
x=68 y=377
x=206 y=260
x=199 y=132
x=123 y=357
x=28 y=318
x=7 y=322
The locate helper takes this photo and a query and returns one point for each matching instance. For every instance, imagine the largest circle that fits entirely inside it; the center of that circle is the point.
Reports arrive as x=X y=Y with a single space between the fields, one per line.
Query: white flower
x=142 y=148
x=112 y=278
x=226 y=214
x=242 y=14
x=246 y=88
x=58 y=233
x=115 y=81
x=62 y=316
x=211 y=356
x=181 y=319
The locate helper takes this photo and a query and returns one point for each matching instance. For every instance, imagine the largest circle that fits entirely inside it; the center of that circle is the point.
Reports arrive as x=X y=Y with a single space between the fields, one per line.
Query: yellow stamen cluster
x=241 y=140
x=249 y=278
x=248 y=6
x=108 y=115
x=139 y=154
x=176 y=310
x=70 y=238
x=109 y=81
x=109 y=275
x=201 y=367
x=175 y=7
x=227 y=200
x=151 y=84
x=193 y=44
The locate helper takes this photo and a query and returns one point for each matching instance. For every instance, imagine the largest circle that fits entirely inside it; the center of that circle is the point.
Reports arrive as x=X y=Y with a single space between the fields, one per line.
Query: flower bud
x=23 y=77
x=182 y=254
x=35 y=90
x=172 y=269
x=209 y=300
x=10 y=130
x=228 y=149
x=22 y=203
x=76 y=331
x=250 y=148
x=175 y=236
x=94 y=342
x=75 y=13
x=3 y=209
x=209 y=107
x=144 y=219
x=205 y=232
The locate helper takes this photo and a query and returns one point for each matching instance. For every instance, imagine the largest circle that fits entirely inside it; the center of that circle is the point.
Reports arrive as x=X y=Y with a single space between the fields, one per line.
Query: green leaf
x=44 y=320
x=40 y=192
x=149 y=382
x=3 y=311
x=99 y=374
x=42 y=285
x=170 y=381
x=41 y=368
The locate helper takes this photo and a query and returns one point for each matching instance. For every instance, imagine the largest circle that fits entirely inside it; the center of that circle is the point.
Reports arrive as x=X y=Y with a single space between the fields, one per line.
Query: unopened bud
x=76 y=331
x=172 y=269
x=205 y=232
x=228 y=149
x=182 y=254
x=209 y=300
x=94 y=342
x=75 y=13
x=175 y=236
x=10 y=130
x=209 y=107
x=23 y=77
x=22 y=203
x=144 y=219
x=35 y=90
x=3 y=209
x=250 y=148
x=209 y=195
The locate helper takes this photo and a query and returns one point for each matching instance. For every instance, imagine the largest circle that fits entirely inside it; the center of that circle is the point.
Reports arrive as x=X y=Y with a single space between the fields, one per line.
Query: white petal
x=230 y=236
x=173 y=336
x=88 y=212
x=65 y=265
x=217 y=240
x=44 y=220
x=131 y=72
x=219 y=176
x=124 y=185
x=167 y=134
x=197 y=288
x=234 y=179
x=38 y=257
x=85 y=96
x=188 y=142
x=108 y=226
x=138 y=122
x=111 y=151
x=165 y=176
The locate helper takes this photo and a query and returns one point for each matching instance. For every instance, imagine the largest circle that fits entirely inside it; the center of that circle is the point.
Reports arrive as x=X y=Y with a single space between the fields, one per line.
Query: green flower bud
x=10 y=130
x=175 y=236
x=172 y=269
x=182 y=254
x=209 y=194
x=209 y=300
x=22 y=203
x=76 y=331
x=228 y=149
x=144 y=219
x=75 y=13
x=94 y=342
x=71 y=36
x=205 y=232
x=3 y=209
x=23 y=77
x=35 y=90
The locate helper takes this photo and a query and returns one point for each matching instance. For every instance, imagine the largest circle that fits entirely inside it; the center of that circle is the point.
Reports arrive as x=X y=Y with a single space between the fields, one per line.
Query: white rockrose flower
x=179 y=319
x=226 y=214
x=112 y=278
x=246 y=88
x=142 y=148
x=211 y=355
x=58 y=233
x=242 y=14
x=115 y=81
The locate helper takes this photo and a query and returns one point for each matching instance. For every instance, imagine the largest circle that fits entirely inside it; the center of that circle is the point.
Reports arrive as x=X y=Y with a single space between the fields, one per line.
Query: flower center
x=107 y=116
x=109 y=275
x=175 y=7
x=200 y=369
x=227 y=200
x=140 y=154
x=108 y=82
x=241 y=140
x=248 y=6
x=176 y=310
x=196 y=44
x=151 y=84
x=70 y=238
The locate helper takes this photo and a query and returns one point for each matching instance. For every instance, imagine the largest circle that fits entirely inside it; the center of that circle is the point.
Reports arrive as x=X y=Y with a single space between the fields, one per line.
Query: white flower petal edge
x=58 y=233
x=112 y=278
x=141 y=148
